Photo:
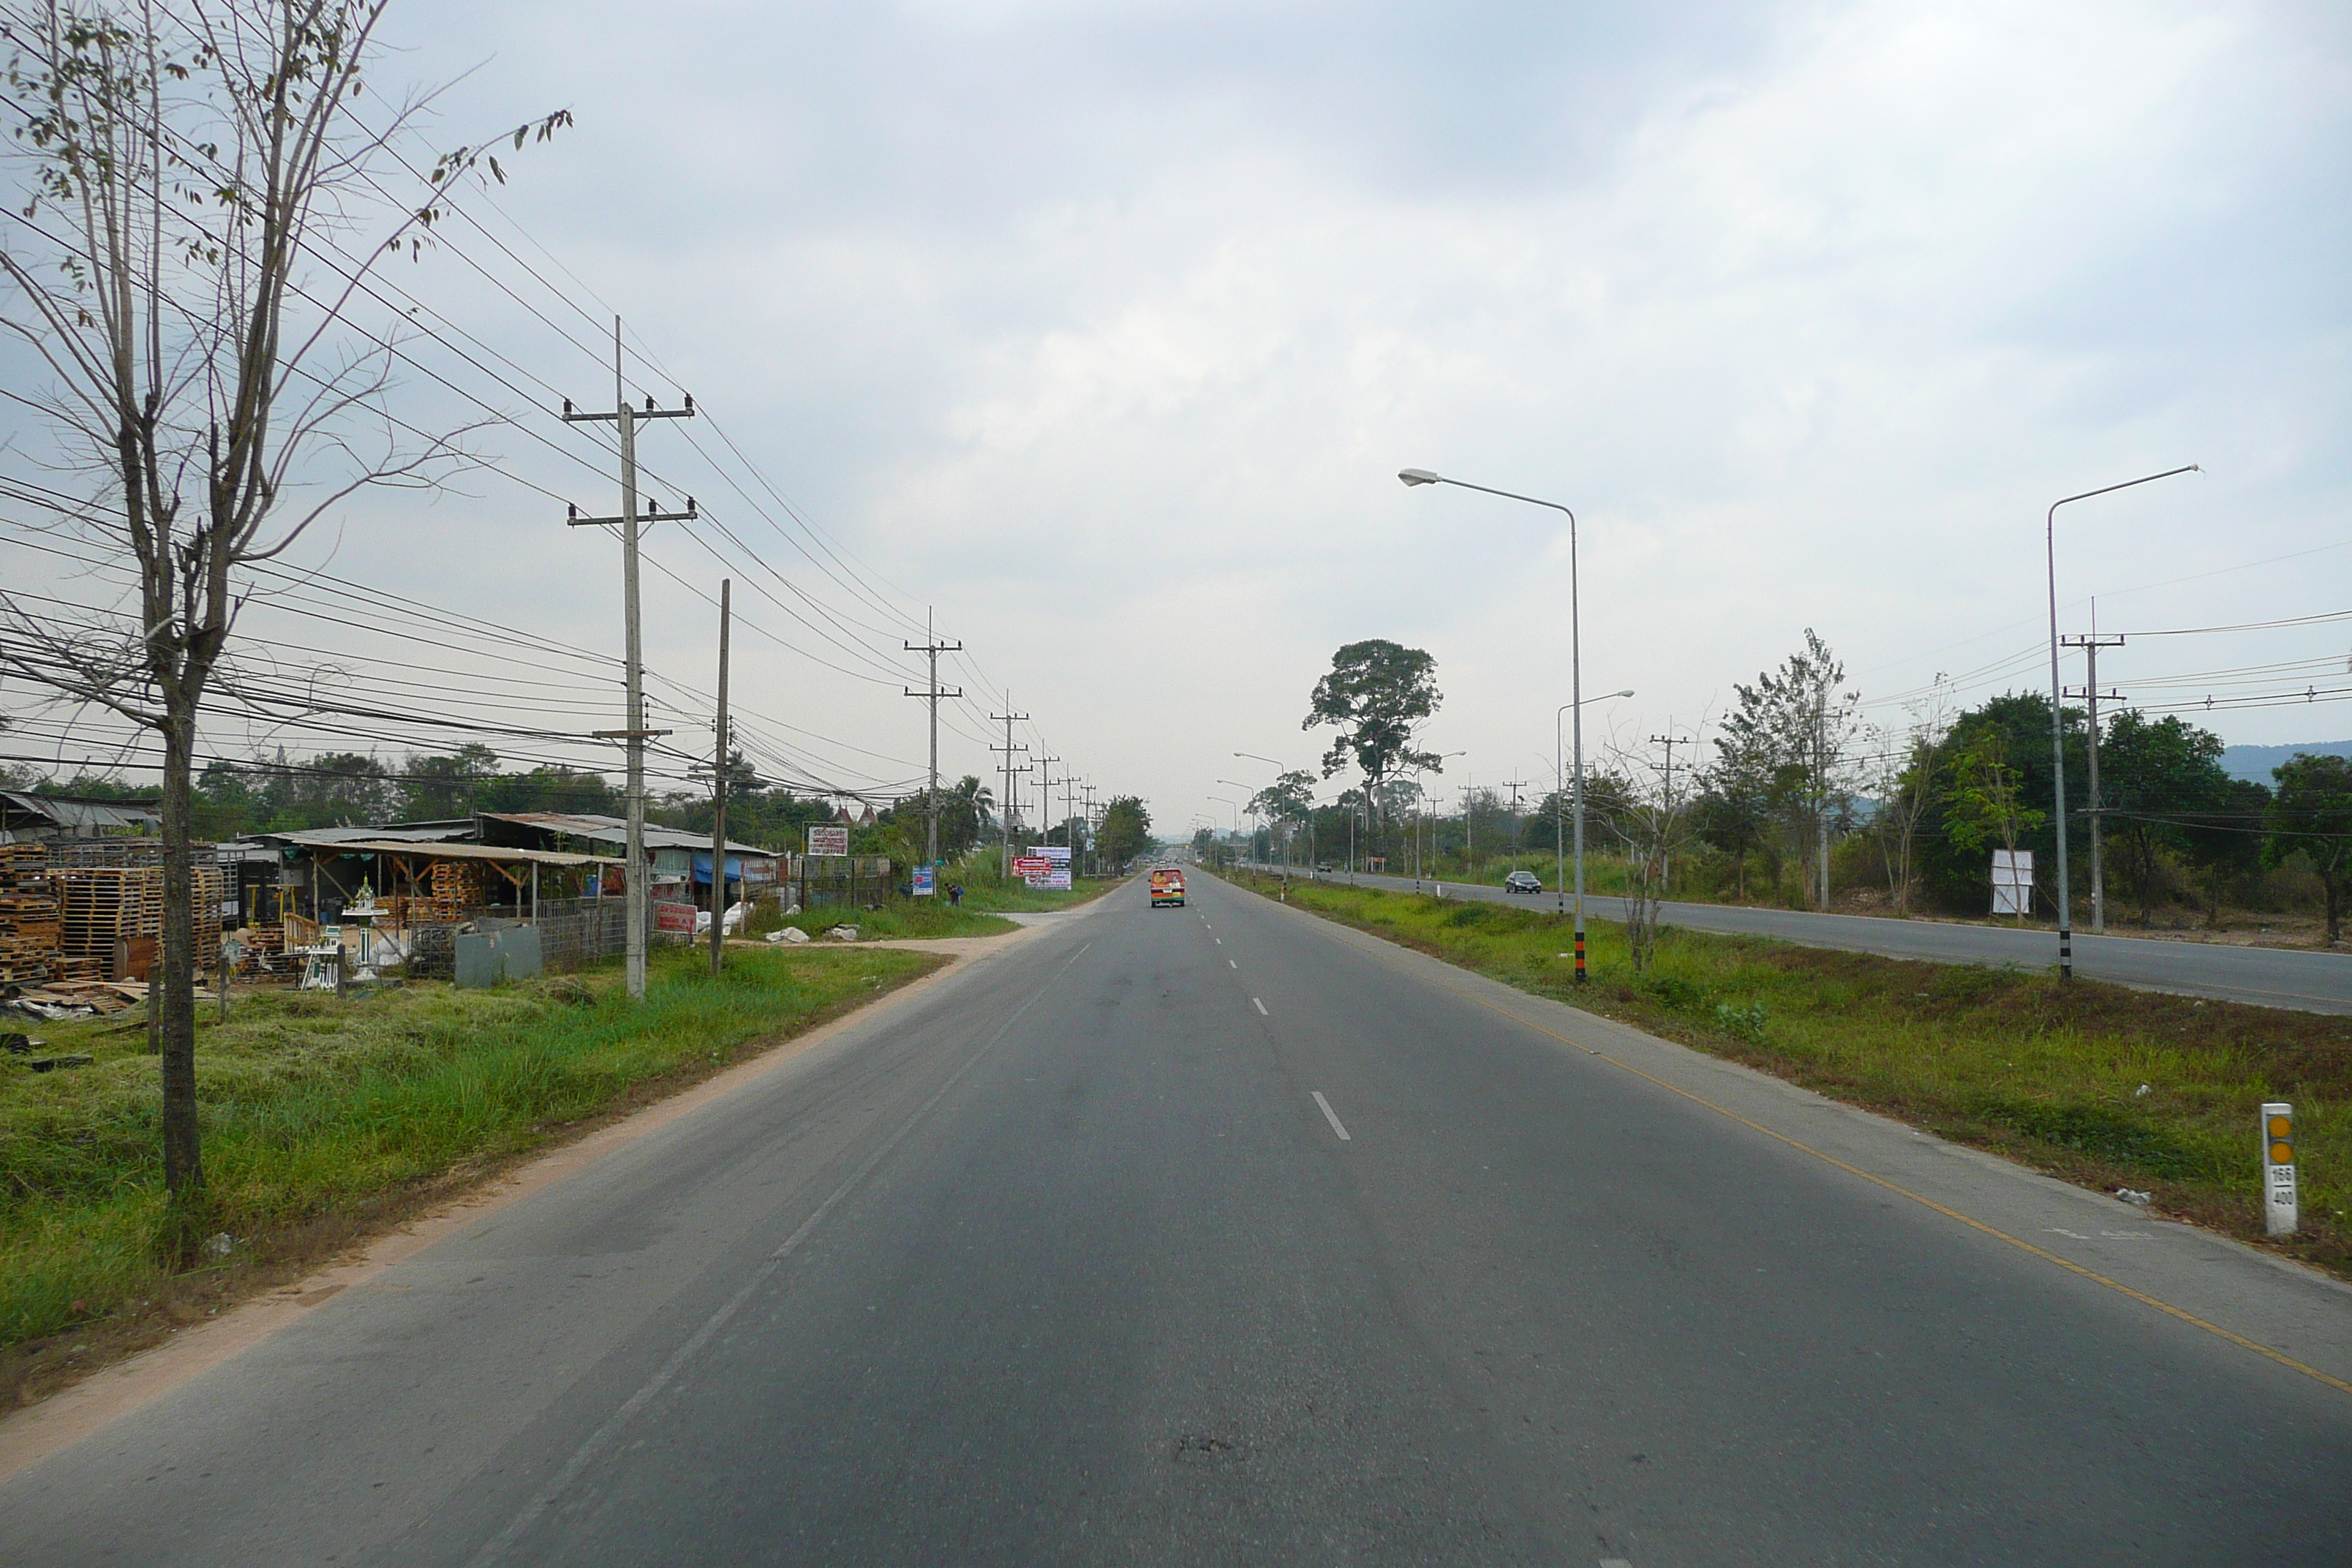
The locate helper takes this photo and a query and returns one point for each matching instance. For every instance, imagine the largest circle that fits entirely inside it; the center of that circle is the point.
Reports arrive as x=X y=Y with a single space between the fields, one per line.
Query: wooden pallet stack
x=456 y=890
x=103 y=907
x=29 y=928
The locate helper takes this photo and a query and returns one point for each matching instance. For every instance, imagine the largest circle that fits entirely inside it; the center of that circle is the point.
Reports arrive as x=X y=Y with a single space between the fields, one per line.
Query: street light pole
x=1575 y=671
x=2058 y=708
x=1559 y=776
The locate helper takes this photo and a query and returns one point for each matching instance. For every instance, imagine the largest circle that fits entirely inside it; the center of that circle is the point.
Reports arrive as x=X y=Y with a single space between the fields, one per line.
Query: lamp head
x=1417 y=477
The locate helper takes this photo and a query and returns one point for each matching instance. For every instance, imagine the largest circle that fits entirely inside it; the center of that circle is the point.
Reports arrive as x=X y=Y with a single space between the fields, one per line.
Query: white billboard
x=2012 y=882
x=1056 y=876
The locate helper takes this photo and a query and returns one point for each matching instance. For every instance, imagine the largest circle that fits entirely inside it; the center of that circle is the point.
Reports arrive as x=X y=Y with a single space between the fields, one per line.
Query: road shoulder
x=2268 y=1306
x=109 y=1392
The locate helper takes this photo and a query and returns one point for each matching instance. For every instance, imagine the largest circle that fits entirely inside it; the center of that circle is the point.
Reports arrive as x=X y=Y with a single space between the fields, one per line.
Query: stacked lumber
x=100 y=908
x=29 y=928
x=457 y=890
x=104 y=906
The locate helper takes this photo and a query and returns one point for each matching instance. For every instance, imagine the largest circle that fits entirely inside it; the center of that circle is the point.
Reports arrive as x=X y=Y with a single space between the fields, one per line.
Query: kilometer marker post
x=2280 y=1210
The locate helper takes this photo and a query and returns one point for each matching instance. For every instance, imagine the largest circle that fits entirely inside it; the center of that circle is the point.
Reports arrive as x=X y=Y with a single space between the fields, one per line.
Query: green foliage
x=1125 y=831
x=1376 y=696
x=312 y=1106
x=2312 y=819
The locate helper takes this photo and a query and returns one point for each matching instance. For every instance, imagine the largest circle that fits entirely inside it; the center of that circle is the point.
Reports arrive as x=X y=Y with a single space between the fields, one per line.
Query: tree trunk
x=2329 y=880
x=174 y=986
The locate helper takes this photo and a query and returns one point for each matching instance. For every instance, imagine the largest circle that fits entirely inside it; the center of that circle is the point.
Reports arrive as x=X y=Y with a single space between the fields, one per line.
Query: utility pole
x=637 y=891
x=1009 y=720
x=1045 y=795
x=1666 y=863
x=931 y=645
x=2091 y=644
x=718 y=790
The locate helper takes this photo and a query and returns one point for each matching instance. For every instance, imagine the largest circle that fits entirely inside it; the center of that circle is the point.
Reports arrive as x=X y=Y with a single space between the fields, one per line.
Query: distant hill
x=2255 y=763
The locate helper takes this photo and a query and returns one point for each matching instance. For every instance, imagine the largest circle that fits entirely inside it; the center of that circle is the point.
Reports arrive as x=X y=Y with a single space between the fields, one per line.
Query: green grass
x=985 y=902
x=900 y=920
x=2007 y=1060
x=312 y=1107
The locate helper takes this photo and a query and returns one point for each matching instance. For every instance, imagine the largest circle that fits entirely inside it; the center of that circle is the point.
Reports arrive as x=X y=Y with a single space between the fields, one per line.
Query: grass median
x=981 y=913
x=322 y=1118
x=2099 y=1084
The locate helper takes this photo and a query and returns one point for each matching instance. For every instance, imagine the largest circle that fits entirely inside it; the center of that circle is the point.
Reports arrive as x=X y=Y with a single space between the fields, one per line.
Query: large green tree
x=2311 y=818
x=1125 y=831
x=2155 y=775
x=1377 y=696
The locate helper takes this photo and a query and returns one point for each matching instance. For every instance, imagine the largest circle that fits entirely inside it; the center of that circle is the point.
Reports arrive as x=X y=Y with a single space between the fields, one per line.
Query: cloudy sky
x=1104 y=330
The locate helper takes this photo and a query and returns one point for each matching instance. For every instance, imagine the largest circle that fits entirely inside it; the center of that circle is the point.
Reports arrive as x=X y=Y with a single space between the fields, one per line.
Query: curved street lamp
x=1575 y=671
x=2058 y=710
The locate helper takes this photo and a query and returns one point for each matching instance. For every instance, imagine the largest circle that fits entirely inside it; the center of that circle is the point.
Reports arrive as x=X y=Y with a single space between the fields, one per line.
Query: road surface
x=1222 y=1234
x=2266 y=977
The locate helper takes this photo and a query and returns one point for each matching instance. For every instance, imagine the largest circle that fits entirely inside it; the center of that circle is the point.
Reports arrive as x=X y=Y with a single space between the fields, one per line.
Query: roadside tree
x=2154 y=773
x=1125 y=831
x=2311 y=819
x=1377 y=696
x=189 y=174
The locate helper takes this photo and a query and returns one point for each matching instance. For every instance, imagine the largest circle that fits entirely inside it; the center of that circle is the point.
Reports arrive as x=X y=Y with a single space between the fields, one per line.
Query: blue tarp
x=702 y=868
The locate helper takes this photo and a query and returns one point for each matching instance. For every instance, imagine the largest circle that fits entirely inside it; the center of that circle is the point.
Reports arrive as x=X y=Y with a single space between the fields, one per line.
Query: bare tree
x=1905 y=784
x=1653 y=821
x=177 y=266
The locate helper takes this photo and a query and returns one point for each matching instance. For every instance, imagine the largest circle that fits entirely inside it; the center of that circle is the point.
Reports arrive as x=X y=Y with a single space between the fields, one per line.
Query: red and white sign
x=828 y=840
x=674 y=918
x=1031 y=865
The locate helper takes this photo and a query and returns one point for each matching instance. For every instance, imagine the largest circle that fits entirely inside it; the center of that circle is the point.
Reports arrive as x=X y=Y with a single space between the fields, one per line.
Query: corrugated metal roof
x=463 y=852
x=615 y=830
x=421 y=833
x=84 y=816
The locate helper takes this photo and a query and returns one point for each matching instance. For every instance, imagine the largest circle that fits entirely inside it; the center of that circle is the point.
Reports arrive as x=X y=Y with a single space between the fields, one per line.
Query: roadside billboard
x=1046 y=867
x=828 y=840
x=2012 y=882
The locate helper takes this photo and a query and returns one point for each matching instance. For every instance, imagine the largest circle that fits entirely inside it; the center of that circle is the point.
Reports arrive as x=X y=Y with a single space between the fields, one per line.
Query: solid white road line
x=1330 y=1116
x=1258 y=1005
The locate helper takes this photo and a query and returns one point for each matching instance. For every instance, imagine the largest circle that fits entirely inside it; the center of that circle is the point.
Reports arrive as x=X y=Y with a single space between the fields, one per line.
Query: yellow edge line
x=2019 y=1242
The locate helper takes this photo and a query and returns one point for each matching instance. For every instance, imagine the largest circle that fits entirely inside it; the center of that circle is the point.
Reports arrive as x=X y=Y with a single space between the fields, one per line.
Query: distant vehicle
x=1168 y=890
x=1322 y=865
x=1522 y=882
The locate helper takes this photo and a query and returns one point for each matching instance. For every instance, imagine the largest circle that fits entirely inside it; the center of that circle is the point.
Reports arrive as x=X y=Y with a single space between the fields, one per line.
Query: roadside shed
x=680 y=869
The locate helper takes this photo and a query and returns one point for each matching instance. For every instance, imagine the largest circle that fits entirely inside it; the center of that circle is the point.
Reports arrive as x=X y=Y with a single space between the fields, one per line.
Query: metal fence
x=432 y=952
x=576 y=931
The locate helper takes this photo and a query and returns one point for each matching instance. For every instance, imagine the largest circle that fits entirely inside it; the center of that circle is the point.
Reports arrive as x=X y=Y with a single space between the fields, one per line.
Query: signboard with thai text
x=828 y=840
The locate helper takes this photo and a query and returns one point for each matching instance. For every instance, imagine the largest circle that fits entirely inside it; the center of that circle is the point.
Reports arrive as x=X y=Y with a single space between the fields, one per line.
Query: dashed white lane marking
x=1218 y=940
x=1614 y=1563
x=1256 y=1003
x=1330 y=1116
x=1231 y=964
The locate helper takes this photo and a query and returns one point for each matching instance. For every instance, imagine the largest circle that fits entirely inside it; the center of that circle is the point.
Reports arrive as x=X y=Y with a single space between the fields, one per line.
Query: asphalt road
x=2266 y=976
x=1222 y=1234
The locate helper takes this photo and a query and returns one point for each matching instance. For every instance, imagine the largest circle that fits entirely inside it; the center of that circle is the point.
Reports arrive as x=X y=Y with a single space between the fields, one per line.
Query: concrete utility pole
x=2091 y=644
x=1665 y=860
x=637 y=892
x=718 y=789
x=2058 y=708
x=1009 y=720
x=1044 y=795
x=931 y=645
